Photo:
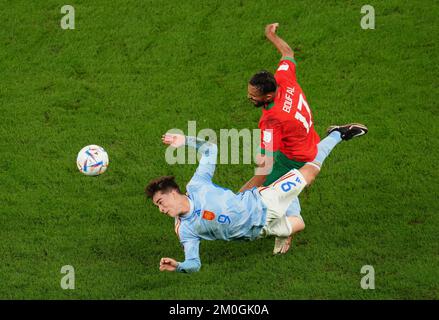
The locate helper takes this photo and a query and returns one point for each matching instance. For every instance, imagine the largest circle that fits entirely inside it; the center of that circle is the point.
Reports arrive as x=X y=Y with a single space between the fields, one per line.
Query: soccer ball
x=92 y=160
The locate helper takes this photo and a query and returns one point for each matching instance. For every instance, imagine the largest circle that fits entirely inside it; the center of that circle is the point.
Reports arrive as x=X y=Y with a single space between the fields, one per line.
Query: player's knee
x=297 y=224
x=310 y=179
x=309 y=173
x=300 y=225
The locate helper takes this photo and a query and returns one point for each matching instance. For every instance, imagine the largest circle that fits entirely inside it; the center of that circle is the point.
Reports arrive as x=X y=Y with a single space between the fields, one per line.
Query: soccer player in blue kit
x=210 y=212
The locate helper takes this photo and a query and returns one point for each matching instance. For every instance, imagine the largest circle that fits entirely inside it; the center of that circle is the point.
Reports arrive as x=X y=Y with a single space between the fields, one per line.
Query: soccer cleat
x=282 y=245
x=349 y=131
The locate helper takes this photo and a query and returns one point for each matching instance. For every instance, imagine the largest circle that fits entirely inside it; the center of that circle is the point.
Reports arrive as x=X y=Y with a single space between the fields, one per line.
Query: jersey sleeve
x=206 y=166
x=271 y=138
x=286 y=71
x=191 y=261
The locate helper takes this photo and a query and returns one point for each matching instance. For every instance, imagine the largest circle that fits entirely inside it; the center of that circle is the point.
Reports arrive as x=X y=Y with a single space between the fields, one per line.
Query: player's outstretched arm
x=178 y=140
x=278 y=42
x=208 y=151
x=191 y=263
x=168 y=264
x=174 y=140
x=188 y=266
x=265 y=165
x=255 y=181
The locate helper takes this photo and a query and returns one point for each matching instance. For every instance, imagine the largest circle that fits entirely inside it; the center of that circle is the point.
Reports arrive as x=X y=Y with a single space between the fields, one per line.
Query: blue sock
x=325 y=146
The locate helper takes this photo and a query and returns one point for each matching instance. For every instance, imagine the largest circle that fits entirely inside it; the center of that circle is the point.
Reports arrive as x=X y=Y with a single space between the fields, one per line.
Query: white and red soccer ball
x=92 y=160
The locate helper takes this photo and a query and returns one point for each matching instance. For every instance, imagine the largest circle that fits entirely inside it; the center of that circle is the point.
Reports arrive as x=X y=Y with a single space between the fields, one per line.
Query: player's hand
x=260 y=160
x=168 y=264
x=264 y=165
x=174 y=140
x=270 y=29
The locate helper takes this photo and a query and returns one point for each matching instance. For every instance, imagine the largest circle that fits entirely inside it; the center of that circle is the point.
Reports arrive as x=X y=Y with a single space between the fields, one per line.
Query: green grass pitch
x=132 y=70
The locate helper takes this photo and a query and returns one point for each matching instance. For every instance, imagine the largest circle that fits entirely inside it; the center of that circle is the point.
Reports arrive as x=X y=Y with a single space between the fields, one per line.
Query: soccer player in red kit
x=288 y=138
x=286 y=124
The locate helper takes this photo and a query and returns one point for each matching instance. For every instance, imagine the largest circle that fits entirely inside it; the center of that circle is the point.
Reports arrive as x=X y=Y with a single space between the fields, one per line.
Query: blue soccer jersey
x=216 y=213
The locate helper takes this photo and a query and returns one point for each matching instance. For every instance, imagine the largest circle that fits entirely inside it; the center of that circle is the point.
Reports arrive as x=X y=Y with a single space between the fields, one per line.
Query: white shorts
x=277 y=197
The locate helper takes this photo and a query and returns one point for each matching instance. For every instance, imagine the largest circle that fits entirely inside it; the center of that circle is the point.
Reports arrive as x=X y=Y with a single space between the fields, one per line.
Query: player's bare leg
x=283 y=244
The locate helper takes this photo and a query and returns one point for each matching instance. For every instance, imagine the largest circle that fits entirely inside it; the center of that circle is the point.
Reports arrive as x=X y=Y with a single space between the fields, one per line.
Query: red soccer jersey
x=287 y=126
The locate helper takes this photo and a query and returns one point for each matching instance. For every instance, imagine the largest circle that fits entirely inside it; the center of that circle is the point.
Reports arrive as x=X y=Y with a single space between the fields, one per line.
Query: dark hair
x=163 y=184
x=264 y=81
